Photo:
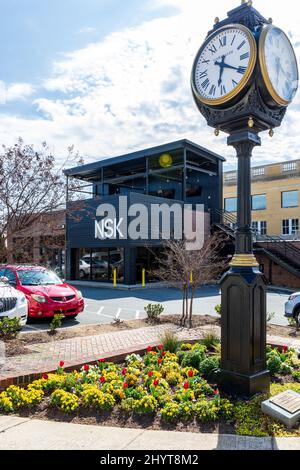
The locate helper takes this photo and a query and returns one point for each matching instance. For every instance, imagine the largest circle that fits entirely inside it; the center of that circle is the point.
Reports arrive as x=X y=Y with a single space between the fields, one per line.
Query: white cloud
x=132 y=90
x=15 y=92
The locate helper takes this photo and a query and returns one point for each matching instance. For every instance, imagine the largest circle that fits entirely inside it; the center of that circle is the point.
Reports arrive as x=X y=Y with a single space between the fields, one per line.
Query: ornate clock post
x=244 y=77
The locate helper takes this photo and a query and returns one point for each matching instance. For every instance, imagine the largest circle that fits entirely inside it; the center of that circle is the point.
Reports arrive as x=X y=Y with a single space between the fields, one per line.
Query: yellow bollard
x=191 y=278
x=115 y=278
x=144 y=277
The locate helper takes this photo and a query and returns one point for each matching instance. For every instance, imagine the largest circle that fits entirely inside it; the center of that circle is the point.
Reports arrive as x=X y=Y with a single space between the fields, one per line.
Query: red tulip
x=101 y=360
x=161 y=347
x=150 y=373
x=156 y=382
x=149 y=349
x=125 y=385
x=86 y=368
x=45 y=376
x=163 y=354
x=124 y=371
x=285 y=349
x=159 y=361
x=190 y=373
x=186 y=385
x=102 y=380
x=216 y=392
x=61 y=364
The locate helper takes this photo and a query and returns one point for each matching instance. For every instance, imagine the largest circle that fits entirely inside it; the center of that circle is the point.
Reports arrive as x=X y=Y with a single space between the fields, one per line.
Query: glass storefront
x=98 y=264
x=147 y=259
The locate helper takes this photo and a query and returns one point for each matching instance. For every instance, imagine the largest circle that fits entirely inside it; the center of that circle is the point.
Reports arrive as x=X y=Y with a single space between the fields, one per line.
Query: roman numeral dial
x=224 y=65
x=278 y=65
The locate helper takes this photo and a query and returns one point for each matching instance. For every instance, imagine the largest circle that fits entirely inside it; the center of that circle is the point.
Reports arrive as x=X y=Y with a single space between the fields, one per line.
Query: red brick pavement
x=76 y=352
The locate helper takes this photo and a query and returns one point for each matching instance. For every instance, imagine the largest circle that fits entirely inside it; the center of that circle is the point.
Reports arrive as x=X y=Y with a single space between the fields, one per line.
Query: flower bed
x=170 y=388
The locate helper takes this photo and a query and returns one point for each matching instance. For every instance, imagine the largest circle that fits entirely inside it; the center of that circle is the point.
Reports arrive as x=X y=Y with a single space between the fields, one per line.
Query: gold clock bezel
x=252 y=62
x=264 y=69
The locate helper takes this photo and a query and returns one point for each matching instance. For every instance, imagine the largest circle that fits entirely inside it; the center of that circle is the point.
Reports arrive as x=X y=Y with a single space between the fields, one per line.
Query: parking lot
x=105 y=305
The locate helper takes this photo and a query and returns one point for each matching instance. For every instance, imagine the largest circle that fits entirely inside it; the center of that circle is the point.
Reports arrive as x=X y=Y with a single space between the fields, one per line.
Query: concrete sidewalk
x=30 y=434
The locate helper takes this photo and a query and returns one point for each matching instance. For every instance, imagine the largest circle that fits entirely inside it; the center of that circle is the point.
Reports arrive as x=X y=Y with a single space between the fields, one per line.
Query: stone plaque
x=288 y=401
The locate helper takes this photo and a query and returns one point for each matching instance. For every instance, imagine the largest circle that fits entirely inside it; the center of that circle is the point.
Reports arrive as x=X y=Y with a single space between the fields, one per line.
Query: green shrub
x=194 y=358
x=218 y=309
x=274 y=364
x=153 y=312
x=209 y=365
x=286 y=369
x=56 y=323
x=9 y=328
x=169 y=341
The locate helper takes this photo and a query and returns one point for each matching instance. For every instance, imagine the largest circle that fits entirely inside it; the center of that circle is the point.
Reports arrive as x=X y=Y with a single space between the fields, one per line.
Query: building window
x=290 y=166
x=259 y=202
x=231 y=176
x=258 y=172
x=260 y=227
x=290 y=227
x=231 y=204
x=289 y=199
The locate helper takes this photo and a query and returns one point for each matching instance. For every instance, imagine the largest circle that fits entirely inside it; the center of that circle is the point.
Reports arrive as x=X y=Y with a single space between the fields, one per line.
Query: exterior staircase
x=281 y=251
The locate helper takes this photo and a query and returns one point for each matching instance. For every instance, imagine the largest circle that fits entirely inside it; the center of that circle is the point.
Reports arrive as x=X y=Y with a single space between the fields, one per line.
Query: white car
x=13 y=303
x=292 y=307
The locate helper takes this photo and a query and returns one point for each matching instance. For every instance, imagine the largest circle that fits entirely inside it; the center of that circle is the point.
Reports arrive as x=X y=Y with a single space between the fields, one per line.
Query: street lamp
x=244 y=77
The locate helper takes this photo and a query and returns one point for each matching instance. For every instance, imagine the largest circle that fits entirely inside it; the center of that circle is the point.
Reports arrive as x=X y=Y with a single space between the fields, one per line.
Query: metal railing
x=275 y=244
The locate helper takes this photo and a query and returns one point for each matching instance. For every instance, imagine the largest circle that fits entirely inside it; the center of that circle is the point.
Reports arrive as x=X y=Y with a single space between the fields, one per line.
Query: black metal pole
x=243 y=365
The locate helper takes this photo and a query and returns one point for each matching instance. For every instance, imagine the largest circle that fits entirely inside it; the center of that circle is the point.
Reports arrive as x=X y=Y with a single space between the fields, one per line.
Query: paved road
x=103 y=305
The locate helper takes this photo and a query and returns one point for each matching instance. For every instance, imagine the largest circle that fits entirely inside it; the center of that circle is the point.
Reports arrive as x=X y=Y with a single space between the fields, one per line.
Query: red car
x=47 y=295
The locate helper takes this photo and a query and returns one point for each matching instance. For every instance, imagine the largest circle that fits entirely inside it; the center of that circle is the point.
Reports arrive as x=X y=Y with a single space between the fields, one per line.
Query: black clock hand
x=220 y=64
x=227 y=66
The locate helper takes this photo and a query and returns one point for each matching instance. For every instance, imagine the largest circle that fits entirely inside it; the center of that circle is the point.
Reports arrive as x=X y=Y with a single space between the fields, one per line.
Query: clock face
x=279 y=65
x=224 y=65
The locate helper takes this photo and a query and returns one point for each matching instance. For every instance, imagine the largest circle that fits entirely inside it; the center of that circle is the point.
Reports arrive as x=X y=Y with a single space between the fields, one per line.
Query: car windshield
x=34 y=277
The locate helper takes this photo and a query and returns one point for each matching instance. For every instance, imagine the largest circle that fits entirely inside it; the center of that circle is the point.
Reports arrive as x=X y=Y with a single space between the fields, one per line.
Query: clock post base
x=244 y=385
x=243 y=370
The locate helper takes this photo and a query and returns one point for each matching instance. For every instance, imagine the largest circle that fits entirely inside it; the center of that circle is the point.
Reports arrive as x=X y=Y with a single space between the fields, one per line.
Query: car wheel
x=31 y=320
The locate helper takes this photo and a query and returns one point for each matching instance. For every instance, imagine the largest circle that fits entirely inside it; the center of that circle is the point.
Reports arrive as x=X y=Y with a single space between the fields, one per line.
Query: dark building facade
x=179 y=172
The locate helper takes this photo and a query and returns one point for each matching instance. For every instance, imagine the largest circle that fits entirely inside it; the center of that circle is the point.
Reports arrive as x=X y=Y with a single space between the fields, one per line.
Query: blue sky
x=111 y=76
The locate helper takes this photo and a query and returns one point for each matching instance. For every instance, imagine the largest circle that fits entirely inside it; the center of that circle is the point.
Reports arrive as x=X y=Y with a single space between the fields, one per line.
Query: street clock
x=243 y=79
x=224 y=65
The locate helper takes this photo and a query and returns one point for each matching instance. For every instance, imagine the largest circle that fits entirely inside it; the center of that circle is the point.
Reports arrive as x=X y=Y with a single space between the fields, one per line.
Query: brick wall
x=279 y=276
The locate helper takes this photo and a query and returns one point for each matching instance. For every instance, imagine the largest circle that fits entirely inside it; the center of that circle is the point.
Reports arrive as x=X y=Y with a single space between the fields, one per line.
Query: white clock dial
x=279 y=65
x=224 y=65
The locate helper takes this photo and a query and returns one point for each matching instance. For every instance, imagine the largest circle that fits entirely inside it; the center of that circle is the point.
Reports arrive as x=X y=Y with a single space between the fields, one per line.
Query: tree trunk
x=190 y=322
x=182 y=319
x=186 y=306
